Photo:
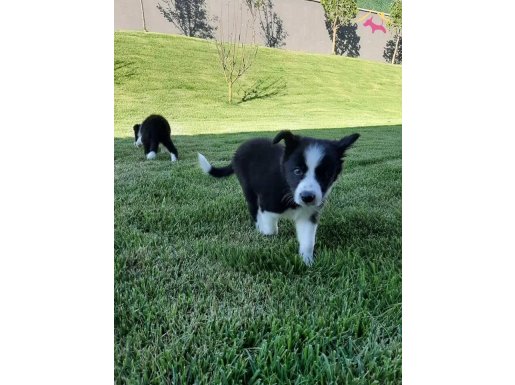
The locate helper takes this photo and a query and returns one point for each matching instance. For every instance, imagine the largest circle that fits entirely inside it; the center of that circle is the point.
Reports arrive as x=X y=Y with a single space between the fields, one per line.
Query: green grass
x=376 y=5
x=180 y=78
x=200 y=296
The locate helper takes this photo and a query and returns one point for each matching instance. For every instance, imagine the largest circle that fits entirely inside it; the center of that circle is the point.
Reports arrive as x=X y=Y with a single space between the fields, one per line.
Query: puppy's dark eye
x=297 y=171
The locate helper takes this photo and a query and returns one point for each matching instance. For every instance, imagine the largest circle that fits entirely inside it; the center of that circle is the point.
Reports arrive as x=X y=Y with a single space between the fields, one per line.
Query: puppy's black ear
x=346 y=142
x=136 y=128
x=289 y=138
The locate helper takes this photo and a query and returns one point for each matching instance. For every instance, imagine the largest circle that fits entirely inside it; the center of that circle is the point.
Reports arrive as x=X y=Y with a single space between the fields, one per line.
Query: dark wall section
x=297 y=25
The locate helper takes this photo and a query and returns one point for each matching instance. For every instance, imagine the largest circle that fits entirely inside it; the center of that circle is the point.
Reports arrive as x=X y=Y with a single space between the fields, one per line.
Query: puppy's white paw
x=151 y=155
x=266 y=223
x=267 y=229
x=307 y=257
x=173 y=158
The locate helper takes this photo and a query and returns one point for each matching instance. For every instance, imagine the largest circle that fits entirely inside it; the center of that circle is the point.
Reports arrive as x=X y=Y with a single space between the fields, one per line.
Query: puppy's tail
x=217 y=172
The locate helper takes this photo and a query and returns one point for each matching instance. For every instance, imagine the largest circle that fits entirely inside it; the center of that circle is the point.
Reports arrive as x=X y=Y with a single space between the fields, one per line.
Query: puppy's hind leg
x=152 y=150
x=168 y=144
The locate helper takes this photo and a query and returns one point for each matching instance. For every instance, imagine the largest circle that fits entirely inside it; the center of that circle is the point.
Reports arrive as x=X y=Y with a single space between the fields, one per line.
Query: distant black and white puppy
x=154 y=130
x=289 y=181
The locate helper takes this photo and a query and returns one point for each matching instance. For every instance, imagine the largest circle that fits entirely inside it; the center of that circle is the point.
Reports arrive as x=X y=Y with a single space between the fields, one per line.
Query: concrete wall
x=303 y=24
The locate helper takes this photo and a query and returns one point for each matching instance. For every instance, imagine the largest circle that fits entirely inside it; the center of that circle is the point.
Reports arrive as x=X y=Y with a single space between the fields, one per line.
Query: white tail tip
x=204 y=164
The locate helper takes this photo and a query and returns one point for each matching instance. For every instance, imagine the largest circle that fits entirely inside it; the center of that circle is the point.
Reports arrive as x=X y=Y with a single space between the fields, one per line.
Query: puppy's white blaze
x=306 y=231
x=173 y=157
x=266 y=222
x=138 y=142
x=151 y=155
x=204 y=164
x=312 y=156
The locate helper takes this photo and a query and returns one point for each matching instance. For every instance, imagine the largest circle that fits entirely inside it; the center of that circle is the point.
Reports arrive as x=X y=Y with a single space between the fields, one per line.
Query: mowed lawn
x=200 y=296
x=181 y=78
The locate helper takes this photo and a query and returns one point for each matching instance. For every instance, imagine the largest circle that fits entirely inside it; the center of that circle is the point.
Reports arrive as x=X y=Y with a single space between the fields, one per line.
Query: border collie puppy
x=154 y=130
x=289 y=181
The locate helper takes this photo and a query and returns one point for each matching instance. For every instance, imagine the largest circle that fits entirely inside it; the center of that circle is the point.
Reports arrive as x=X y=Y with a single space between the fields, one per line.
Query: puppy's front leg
x=267 y=222
x=306 y=232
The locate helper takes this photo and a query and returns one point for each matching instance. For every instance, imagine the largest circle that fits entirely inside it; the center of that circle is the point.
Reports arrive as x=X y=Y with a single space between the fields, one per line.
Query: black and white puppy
x=154 y=130
x=289 y=181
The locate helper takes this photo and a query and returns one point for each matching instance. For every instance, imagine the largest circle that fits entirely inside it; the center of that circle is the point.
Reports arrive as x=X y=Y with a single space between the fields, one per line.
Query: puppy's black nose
x=307 y=196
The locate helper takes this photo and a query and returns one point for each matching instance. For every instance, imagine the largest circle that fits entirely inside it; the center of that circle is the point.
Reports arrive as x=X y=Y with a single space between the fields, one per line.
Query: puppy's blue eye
x=297 y=171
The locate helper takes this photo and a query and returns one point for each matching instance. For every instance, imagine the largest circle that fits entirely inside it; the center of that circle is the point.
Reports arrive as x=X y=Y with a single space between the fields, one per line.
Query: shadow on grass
x=222 y=230
x=123 y=70
x=262 y=253
x=264 y=88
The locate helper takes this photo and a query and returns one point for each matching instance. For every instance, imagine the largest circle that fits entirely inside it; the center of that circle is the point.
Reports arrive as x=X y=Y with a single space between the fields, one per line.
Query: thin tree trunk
x=334 y=39
x=395 y=51
x=230 y=92
x=143 y=16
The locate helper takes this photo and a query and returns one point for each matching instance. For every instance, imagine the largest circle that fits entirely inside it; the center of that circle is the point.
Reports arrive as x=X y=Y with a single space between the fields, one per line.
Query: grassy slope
x=180 y=78
x=200 y=296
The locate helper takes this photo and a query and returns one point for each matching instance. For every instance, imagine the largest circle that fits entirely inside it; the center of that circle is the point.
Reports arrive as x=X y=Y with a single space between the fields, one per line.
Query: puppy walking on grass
x=290 y=181
x=153 y=131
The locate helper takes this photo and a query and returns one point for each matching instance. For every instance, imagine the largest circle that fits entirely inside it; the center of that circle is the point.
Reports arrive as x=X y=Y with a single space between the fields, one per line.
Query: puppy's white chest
x=298 y=213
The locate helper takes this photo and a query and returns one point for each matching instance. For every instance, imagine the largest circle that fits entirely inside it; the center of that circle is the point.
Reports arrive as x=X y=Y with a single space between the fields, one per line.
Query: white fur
x=266 y=222
x=173 y=157
x=303 y=212
x=204 y=164
x=306 y=232
x=312 y=156
x=151 y=155
x=138 y=142
x=305 y=229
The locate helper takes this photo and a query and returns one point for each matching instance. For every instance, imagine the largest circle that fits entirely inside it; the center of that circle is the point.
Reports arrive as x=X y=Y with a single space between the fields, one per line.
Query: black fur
x=291 y=181
x=153 y=131
x=136 y=131
x=266 y=173
x=219 y=172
